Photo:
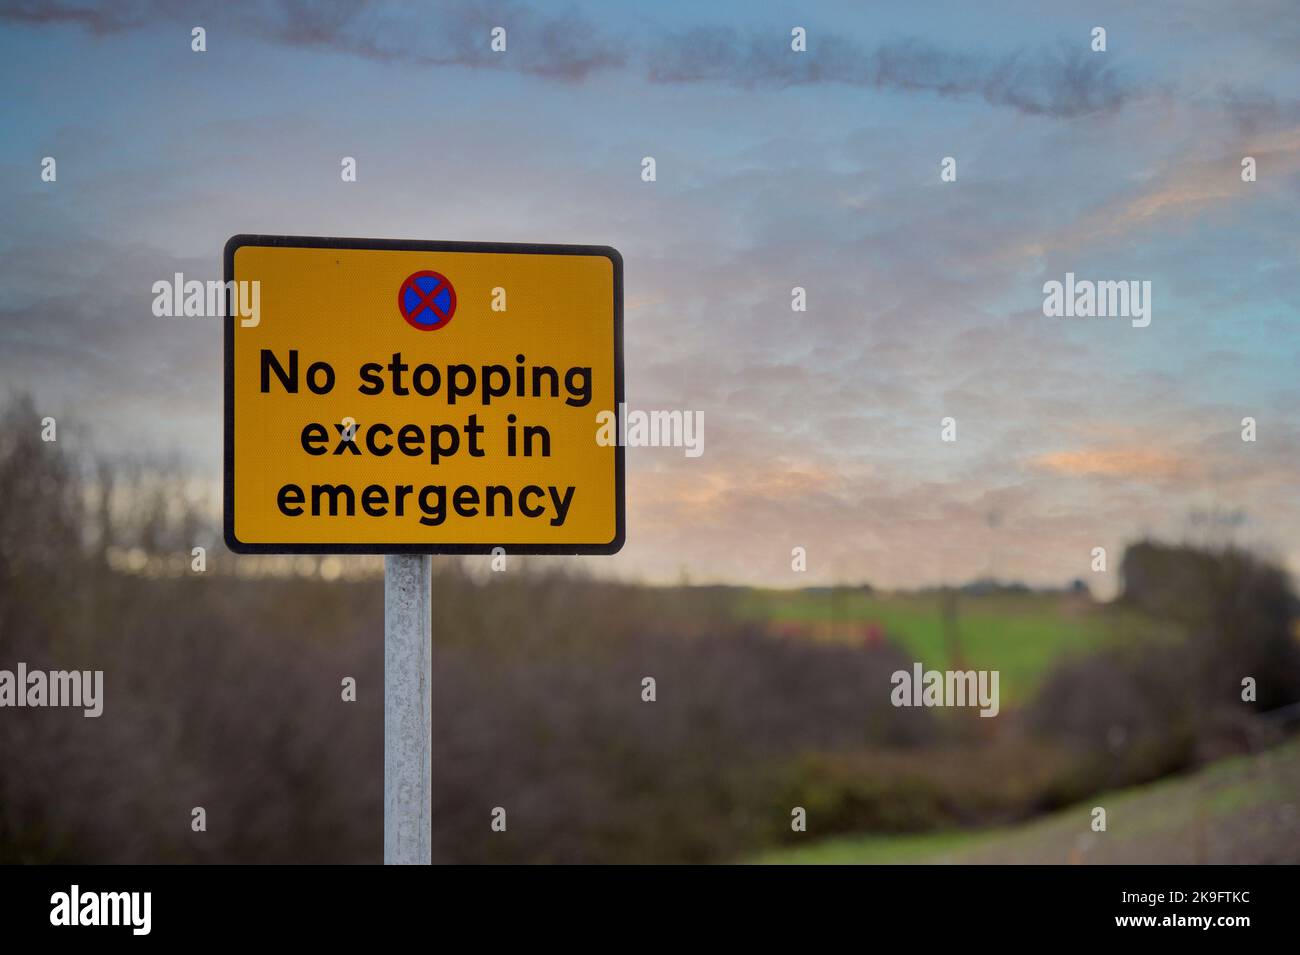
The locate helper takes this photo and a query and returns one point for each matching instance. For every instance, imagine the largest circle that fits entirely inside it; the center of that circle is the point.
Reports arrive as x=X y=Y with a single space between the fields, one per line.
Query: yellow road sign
x=421 y=397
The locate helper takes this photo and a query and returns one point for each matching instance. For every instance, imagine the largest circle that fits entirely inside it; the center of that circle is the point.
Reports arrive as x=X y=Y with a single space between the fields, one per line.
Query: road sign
x=423 y=397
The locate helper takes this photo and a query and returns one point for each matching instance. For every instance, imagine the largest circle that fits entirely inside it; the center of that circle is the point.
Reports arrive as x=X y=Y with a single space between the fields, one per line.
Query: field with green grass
x=1244 y=810
x=1020 y=634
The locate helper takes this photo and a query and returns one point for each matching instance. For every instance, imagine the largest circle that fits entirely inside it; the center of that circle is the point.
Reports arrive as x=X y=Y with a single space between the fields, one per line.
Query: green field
x=1019 y=634
x=1244 y=810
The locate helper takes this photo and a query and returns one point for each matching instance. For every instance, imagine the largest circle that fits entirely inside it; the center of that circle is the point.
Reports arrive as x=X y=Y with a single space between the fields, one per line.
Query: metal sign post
x=408 y=676
x=412 y=398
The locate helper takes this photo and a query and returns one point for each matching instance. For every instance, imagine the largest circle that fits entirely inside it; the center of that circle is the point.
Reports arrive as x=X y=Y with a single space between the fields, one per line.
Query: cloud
x=564 y=46
x=561 y=46
x=822 y=427
x=1062 y=82
x=1147 y=464
x=1202 y=180
x=1255 y=111
x=95 y=17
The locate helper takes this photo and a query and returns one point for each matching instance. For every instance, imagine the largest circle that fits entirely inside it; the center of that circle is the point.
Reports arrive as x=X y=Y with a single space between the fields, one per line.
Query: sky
x=775 y=169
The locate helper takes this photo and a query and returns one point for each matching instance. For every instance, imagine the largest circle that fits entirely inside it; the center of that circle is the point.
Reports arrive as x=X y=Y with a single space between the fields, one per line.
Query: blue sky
x=775 y=169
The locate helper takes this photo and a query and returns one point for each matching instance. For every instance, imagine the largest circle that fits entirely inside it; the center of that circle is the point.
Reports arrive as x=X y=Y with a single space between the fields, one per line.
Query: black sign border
x=412 y=245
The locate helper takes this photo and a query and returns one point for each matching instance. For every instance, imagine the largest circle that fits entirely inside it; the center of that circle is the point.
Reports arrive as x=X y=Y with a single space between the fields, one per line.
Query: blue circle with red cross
x=426 y=300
